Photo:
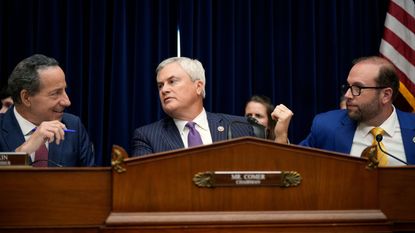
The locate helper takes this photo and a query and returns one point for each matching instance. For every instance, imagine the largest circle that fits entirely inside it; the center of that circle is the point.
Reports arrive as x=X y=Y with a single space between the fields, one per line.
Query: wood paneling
x=54 y=196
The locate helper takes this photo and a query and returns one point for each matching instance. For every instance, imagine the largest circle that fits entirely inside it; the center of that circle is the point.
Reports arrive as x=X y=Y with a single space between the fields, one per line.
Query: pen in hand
x=69 y=131
x=64 y=130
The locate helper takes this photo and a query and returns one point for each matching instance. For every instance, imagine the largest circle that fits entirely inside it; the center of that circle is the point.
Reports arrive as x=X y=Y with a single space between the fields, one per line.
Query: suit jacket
x=163 y=135
x=334 y=131
x=75 y=150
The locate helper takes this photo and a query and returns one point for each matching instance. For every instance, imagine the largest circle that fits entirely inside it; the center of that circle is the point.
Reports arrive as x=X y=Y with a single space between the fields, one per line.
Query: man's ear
x=387 y=95
x=199 y=86
x=25 y=97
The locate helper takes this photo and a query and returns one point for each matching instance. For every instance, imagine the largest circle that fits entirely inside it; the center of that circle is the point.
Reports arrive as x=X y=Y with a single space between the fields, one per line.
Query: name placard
x=211 y=179
x=14 y=159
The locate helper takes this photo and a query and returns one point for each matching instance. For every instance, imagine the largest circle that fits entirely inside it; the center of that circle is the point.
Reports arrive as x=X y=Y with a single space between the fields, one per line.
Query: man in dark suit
x=181 y=84
x=371 y=87
x=37 y=120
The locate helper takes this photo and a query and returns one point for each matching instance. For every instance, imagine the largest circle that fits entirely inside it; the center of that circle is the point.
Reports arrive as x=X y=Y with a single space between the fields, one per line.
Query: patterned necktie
x=41 y=155
x=193 y=138
x=382 y=158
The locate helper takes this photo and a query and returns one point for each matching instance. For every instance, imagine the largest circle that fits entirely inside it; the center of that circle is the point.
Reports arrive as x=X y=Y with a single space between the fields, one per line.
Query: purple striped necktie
x=41 y=155
x=193 y=138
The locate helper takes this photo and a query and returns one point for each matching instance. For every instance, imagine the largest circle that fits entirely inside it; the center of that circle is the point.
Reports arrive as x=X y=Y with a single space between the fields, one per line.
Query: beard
x=366 y=112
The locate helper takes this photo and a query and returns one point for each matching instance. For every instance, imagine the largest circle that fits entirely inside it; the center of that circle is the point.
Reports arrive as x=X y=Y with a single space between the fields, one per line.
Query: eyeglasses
x=356 y=90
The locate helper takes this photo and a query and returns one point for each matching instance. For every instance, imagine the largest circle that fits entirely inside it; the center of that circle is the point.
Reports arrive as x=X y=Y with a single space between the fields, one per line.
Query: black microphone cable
x=379 y=138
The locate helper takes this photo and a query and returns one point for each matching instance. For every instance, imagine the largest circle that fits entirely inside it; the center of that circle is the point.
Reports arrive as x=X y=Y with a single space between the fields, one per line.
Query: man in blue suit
x=181 y=85
x=37 y=119
x=371 y=87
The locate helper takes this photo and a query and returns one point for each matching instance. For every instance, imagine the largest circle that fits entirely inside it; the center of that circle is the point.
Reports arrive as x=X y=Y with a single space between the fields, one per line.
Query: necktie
x=41 y=155
x=382 y=158
x=193 y=138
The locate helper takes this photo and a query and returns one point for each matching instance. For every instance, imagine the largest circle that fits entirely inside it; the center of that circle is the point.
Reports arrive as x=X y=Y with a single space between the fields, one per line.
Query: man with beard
x=371 y=87
x=37 y=124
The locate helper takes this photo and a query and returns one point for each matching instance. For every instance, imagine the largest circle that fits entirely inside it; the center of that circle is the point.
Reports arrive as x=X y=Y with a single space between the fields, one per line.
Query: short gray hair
x=192 y=67
x=25 y=75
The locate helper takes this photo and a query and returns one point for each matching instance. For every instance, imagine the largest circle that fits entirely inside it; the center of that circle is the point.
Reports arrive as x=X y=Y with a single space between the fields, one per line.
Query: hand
x=47 y=131
x=282 y=115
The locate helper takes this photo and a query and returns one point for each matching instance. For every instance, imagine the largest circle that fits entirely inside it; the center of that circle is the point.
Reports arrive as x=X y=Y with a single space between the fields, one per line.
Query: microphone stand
x=258 y=128
x=379 y=138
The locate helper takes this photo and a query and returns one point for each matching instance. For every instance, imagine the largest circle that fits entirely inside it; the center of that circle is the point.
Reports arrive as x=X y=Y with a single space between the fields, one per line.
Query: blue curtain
x=297 y=52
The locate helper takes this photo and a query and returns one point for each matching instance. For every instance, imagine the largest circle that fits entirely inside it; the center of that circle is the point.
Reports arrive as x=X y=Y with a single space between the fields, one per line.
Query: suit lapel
x=13 y=134
x=344 y=135
x=171 y=135
x=407 y=125
x=215 y=123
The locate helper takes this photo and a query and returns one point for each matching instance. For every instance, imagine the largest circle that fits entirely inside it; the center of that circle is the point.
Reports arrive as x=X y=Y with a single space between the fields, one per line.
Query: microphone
x=252 y=120
x=379 y=138
x=46 y=160
x=259 y=130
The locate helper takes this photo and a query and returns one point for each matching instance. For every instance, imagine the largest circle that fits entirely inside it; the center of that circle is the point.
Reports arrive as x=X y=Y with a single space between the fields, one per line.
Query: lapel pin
x=413 y=139
x=221 y=129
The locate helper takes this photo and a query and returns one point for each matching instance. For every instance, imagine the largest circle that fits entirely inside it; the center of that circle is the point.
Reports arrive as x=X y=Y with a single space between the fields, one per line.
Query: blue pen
x=69 y=131
x=64 y=130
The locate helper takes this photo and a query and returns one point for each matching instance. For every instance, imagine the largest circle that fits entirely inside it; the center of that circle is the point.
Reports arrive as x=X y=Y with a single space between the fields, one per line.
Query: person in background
x=372 y=86
x=181 y=85
x=342 y=103
x=260 y=108
x=6 y=100
x=37 y=124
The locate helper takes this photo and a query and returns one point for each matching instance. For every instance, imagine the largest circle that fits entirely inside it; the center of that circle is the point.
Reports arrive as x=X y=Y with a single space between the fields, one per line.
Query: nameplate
x=14 y=159
x=211 y=179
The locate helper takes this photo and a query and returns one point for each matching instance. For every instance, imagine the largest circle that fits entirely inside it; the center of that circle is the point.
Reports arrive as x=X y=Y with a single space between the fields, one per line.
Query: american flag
x=398 y=45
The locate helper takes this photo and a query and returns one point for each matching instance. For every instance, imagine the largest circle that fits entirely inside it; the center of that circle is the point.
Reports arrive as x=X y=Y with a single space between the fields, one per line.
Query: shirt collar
x=200 y=120
x=388 y=125
x=25 y=125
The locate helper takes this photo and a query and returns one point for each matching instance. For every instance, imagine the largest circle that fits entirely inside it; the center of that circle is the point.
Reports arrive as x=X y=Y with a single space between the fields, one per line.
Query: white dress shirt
x=392 y=139
x=202 y=126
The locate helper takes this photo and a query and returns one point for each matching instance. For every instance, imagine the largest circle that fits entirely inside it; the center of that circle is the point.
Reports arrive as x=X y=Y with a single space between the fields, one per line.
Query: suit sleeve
x=140 y=144
x=86 y=148
x=310 y=140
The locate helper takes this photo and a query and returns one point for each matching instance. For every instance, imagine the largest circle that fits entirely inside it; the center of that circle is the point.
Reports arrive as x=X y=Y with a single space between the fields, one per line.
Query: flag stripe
x=406 y=5
x=409 y=85
x=400 y=29
x=408 y=70
x=403 y=13
x=398 y=45
x=407 y=95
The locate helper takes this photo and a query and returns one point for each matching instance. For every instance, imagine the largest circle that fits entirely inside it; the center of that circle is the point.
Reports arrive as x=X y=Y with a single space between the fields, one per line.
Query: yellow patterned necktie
x=382 y=157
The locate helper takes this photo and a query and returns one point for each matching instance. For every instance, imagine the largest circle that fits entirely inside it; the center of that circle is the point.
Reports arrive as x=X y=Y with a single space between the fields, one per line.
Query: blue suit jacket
x=75 y=150
x=334 y=131
x=163 y=135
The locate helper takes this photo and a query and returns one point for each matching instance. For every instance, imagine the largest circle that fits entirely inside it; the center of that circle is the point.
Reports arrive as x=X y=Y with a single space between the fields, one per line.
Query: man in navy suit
x=37 y=119
x=181 y=85
x=371 y=87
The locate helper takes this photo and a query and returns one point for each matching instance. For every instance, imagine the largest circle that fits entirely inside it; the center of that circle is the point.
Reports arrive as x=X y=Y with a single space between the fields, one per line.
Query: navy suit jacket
x=163 y=135
x=334 y=131
x=75 y=150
